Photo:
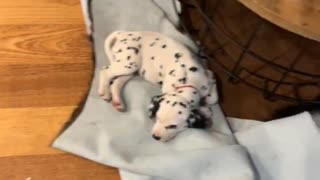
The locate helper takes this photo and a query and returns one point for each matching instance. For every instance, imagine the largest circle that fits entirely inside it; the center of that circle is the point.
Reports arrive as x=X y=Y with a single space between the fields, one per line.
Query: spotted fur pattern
x=162 y=61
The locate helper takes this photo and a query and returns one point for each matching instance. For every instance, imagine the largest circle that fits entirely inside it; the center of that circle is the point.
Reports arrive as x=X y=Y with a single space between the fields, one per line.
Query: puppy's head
x=173 y=114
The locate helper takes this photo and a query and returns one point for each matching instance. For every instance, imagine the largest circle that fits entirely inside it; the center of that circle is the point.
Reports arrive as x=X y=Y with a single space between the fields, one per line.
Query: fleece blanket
x=285 y=149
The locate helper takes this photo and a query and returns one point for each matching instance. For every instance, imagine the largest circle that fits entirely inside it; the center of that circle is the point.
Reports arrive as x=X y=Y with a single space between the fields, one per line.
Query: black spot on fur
x=180 y=91
x=183 y=105
x=194 y=92
x=164 y=46
x=183 y=65
x=183 y=80
x=128 y=58
x=130 y=34
x=174 y=103
x=136 y=50
x=157 y=39
x=209 y=95
x=118 y=60
x=199 y=120
x=168 y=102
x=171 y=72
x=180 y=112
x=160 y=66
x=138 y=39
x=152 y=44
x=160 y=74
x=139 y=46
x=131 y=63
x=173 y=94
x=111 y=82
x=152 y=58
x=156 y=100
x=123 y=40
x=193 y=69
x=177 y=55
x=202 y=101
x=160 y=82
x=120 y=50
x=192 y=101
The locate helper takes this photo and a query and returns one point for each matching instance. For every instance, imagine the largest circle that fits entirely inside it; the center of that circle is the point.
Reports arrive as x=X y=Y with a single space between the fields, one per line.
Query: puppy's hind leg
x=116 y=90
x=108 y=75
x=103 y=91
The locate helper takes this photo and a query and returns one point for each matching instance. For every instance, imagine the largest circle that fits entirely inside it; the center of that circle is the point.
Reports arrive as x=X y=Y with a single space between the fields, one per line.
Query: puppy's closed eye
x=171 y=127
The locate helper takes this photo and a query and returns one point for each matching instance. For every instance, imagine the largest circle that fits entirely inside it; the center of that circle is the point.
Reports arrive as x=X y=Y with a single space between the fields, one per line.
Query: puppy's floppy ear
x=154 y=105
x=197 y=120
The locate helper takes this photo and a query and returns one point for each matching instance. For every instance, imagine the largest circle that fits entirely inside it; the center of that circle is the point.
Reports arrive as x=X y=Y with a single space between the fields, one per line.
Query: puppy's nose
x=156 y=137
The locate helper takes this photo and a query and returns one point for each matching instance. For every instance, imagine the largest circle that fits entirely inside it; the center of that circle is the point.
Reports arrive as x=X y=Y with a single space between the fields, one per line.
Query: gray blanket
x=123 y=139
x=285 y=149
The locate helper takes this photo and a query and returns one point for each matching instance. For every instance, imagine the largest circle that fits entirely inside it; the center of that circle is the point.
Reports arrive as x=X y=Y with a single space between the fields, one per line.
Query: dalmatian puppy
x=185 y=101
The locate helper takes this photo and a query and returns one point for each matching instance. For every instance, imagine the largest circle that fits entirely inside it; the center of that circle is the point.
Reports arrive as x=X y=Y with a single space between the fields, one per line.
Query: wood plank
x=45 y=70
x=30 y=131
x=43 y=85
x=43 y=65
x=54 y=167
x=43 y=44
x=41 y=12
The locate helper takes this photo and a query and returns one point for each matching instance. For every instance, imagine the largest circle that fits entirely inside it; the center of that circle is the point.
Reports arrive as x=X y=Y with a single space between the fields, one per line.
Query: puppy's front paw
x=108 y=99
x=118 y=106
x=206 y=112
x=104 y=96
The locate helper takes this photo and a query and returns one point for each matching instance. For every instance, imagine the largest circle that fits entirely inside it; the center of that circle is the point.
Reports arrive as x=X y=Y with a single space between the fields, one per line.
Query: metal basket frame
x=212 y=30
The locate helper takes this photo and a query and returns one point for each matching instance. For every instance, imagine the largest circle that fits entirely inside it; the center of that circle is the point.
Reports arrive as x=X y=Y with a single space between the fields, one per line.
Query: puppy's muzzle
x=156 y=137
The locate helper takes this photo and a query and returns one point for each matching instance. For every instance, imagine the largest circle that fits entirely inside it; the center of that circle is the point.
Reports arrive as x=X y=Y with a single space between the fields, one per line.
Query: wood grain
x=43 y=44
x=45 y=70
x=51 y=60
x=299 y=16
x=30 y=85
x=30 y=131
x=19 y=12
x=54 y=167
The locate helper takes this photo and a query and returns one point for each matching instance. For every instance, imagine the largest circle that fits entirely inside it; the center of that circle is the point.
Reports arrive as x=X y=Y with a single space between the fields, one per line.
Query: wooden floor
x=45 y=69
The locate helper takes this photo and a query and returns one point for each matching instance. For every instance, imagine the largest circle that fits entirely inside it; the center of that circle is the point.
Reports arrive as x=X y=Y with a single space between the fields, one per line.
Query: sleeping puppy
x=185 y=101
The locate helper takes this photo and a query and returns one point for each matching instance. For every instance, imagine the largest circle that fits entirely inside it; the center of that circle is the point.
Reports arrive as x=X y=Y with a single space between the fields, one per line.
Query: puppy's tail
x=109 y=43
